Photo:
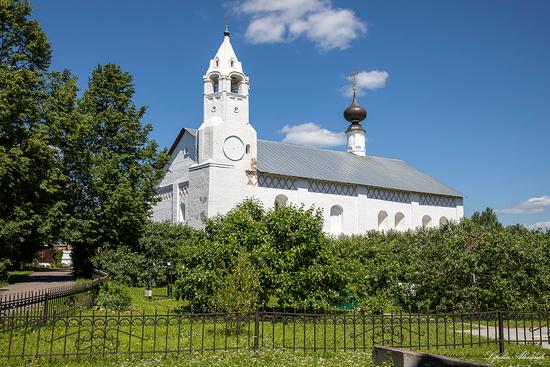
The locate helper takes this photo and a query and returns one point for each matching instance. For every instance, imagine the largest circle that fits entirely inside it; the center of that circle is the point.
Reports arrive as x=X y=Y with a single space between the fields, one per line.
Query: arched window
x=426 y=221
x=247 y=149
x=400 y=221
x=217 y=62
x=383 y=220
x=232 y=63
x=336 y=213
x=443 y=221
x=280 y=200
x=235 y=84
x=215 y=83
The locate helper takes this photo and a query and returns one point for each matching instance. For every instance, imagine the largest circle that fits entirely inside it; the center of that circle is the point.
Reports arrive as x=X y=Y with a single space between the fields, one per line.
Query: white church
x=221 y=163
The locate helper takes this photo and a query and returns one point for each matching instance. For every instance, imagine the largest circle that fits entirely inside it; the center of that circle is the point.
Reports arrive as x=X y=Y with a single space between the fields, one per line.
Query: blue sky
x=461 y=89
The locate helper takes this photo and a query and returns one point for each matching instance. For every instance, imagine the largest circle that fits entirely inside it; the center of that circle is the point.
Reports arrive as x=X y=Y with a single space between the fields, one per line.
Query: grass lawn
x=515 y=355
x=275 y=358
x=282 y=358
x=159 y=301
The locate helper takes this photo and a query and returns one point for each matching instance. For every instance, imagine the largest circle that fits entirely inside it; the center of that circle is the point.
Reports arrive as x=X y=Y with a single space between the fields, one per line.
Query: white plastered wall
x=178 y=172
x=360 y=213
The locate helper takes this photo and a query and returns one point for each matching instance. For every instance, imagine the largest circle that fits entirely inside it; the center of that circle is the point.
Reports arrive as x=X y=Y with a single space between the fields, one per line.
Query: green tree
x=285 y=246
x=116 y=167
x=32 y=209
x=303 y=273
x=460 y=266
x=487 y=218
x=156 y=246
x=238 y=291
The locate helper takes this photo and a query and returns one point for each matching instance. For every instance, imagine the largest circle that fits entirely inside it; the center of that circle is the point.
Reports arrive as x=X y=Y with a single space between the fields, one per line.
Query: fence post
x=256 y=330
x=94 y=293
x=45 y=313
x=500 y=333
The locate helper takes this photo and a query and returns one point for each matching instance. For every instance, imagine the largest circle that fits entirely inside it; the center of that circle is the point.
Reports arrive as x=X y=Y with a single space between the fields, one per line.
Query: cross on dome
x=354 y=80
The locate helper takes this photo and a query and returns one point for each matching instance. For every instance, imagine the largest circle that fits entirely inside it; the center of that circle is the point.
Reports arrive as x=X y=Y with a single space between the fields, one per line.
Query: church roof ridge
x=190 y=130
x=327 y=149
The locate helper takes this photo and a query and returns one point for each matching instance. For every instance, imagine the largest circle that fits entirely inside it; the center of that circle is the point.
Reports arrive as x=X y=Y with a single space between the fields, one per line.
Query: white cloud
x=310 y=133
x=530 y=206
x=275 y=21
x=540 y=225
x=370 y=80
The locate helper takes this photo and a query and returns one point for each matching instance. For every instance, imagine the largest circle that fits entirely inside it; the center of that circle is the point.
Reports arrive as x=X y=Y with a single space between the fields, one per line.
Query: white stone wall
x=162 y=210
x=183 y=157
x=215 y=188
x=359 y=212
x=199 y=182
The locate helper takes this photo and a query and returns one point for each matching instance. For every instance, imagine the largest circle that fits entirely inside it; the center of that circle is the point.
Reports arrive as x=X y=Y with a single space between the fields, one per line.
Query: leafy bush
x=471 y=265
x=474 y=264
x=371 y=270
x=155 y=247
x=4 y=266
x=113 y=296
x=57 y=256
x=123 y=265
x=160 y=239
x=285 y=247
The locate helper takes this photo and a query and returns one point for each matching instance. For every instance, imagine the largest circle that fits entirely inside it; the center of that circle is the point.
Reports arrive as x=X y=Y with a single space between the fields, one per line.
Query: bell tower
x=226 y=85
x=225 y=108
x=225 y=141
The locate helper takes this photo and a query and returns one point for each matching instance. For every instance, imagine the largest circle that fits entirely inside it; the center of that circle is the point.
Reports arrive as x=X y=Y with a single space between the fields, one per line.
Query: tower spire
x=226 y=32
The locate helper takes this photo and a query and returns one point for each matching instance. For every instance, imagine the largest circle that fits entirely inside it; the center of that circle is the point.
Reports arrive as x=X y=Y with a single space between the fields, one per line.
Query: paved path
x=40 y=280
x=531 y=336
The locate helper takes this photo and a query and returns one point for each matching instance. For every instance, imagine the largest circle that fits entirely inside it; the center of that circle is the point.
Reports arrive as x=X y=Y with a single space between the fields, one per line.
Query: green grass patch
x=160 y=300
x=515 y=355
x=272 y=358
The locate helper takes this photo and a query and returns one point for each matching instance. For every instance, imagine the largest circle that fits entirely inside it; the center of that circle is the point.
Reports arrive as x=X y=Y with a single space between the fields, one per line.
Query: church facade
x=221 y=163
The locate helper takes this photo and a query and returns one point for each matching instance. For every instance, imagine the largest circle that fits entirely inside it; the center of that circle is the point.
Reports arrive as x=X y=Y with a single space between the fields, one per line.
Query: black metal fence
x=125 y=333
x=22 y=308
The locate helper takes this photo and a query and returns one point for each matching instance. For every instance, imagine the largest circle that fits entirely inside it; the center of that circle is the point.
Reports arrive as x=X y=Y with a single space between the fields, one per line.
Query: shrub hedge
x=474 y=264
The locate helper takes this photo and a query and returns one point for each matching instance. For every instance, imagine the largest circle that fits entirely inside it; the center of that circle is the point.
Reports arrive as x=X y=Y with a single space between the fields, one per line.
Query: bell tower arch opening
x=236 y=81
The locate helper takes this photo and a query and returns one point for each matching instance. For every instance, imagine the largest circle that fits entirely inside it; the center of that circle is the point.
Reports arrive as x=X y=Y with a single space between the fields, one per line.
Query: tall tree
x=117 y=166
x=31 y=181
x=487 y=218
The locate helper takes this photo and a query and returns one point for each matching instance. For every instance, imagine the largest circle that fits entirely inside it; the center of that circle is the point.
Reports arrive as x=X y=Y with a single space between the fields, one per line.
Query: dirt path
x=40 y=280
